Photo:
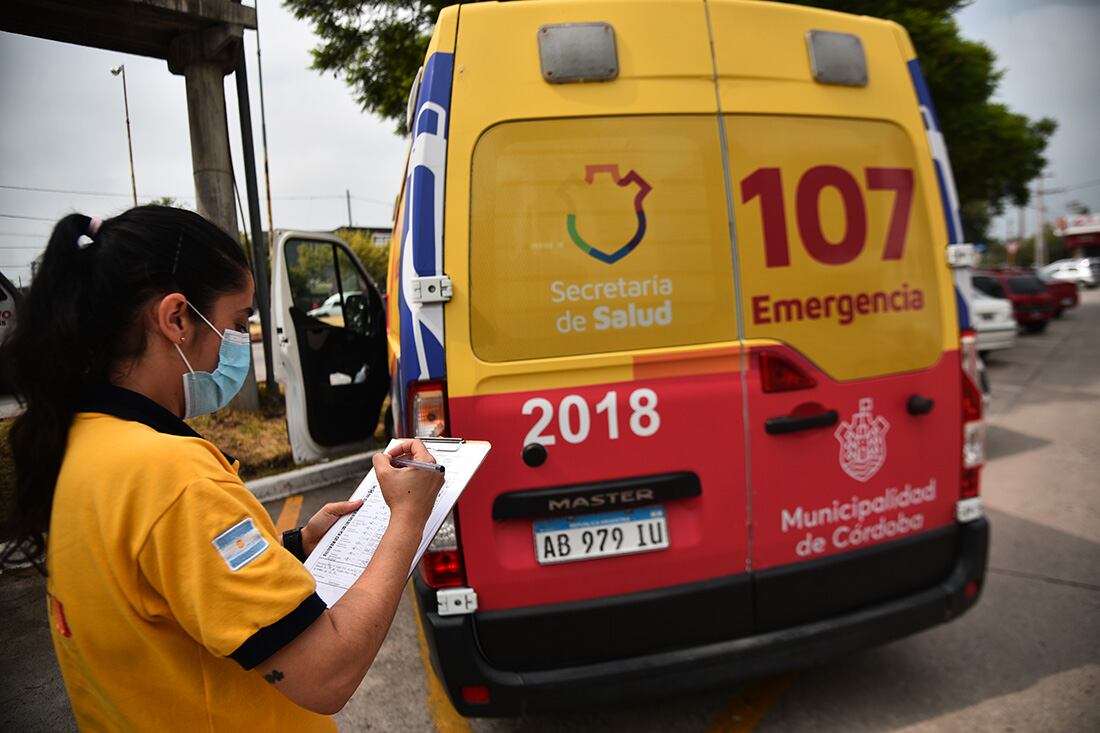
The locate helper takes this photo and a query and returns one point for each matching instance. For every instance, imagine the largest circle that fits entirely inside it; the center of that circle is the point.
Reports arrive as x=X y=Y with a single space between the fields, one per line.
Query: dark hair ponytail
x=81 y=320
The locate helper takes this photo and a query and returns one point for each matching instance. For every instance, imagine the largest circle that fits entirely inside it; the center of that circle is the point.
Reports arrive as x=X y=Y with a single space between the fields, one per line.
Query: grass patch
x=257 y=439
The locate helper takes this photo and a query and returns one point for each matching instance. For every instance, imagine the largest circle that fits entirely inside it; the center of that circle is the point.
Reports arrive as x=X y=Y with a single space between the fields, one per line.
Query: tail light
x=428 y=409
x=441 y=566
x=973 y=430
x=779 y=374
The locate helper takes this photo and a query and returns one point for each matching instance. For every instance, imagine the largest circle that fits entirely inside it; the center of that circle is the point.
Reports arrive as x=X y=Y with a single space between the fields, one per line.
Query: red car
x=1064 y=292
x=1032 y=303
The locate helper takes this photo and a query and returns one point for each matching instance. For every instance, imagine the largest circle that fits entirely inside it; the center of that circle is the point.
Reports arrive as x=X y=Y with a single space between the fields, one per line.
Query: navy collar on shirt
x=126 y=404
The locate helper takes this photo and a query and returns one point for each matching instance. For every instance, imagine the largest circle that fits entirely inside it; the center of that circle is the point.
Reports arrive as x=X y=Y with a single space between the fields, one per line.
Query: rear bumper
x=459 y=661
x=1034 y=316
x=992 y=339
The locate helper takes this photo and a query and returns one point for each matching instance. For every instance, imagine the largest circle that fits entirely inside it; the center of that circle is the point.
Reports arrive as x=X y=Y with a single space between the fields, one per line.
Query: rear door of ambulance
x=592 y=337
x=853 y=373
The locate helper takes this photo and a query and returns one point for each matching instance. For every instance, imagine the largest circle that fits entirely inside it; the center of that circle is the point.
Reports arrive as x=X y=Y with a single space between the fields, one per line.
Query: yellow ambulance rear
x=684 y=263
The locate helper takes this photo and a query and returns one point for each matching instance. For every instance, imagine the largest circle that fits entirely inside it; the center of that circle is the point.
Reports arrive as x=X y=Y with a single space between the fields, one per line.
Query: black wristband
x=292 y=541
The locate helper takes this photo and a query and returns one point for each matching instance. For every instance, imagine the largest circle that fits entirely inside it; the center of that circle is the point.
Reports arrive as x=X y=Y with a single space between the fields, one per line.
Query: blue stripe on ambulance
x=949 y=198
x=421 y=325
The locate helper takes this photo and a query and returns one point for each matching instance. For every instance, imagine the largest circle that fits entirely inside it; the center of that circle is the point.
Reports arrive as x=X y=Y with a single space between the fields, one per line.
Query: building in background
x=1081 y=233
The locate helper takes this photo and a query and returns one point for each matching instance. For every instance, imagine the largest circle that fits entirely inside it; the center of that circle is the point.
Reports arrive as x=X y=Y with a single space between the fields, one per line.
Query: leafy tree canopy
x=377 y=45
x=994 y=152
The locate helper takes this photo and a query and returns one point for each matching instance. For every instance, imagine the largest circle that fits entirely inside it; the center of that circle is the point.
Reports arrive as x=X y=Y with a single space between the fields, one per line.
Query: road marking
x=444 y=716
x=288 y=517
x=751 y=703
x=1042 y=578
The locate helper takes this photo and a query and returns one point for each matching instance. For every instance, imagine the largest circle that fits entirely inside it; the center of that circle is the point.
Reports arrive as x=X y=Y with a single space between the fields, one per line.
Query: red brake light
x=442 y=569
x=779 y=374
x=973 y=427
x=475 y=694
x=971 y=400
x=441 y=565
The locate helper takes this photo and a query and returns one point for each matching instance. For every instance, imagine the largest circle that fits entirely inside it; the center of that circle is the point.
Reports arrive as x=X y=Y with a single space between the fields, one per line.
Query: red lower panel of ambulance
x=649 y=427
x=886 y=469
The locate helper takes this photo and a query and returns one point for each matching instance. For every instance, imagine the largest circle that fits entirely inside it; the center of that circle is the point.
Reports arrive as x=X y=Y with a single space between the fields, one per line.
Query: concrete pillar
x=210 y=161
x=204 y=58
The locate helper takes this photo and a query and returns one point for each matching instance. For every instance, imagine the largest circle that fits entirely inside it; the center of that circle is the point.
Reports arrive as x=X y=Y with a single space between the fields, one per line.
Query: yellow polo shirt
x=167 y=583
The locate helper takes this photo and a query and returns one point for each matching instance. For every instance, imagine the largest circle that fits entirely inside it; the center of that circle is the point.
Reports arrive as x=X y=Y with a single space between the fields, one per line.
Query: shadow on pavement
x=1007 y=644
x=1001 y=442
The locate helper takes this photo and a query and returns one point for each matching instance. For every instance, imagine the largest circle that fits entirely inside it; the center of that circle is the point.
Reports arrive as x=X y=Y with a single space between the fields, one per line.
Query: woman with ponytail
x=173 y=605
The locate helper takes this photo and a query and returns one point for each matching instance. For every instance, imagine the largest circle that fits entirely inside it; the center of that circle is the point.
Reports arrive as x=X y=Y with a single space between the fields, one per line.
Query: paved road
x=1027 y=658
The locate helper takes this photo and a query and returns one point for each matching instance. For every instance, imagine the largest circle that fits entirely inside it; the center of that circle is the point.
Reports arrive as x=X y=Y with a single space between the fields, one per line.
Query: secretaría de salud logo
x=631 y=178
x=863 y=442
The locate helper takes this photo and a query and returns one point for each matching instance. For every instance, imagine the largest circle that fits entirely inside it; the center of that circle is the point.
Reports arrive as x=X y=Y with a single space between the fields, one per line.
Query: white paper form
x=346 y=549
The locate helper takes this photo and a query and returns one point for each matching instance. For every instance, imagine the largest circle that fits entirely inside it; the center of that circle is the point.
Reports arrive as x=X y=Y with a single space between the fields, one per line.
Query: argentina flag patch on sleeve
x=240 y=544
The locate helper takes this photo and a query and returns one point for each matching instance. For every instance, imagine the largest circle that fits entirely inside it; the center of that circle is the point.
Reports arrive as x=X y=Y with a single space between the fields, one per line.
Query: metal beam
x=141 y=27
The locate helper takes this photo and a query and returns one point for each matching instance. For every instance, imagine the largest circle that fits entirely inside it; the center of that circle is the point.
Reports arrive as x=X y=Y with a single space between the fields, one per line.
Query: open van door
x=330 y=344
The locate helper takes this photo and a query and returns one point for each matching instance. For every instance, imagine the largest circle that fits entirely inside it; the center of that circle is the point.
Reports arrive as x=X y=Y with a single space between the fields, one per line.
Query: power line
x=28 y=218
x=1086 y=184
x=106 y=194
x=35 y=189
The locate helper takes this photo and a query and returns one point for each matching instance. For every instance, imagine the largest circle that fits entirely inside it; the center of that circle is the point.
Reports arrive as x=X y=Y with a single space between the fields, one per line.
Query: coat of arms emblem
x=863 y=442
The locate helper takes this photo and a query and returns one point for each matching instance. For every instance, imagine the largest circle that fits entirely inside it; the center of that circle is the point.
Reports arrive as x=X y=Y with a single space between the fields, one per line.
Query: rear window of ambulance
x=840 y=255
x=599 y=235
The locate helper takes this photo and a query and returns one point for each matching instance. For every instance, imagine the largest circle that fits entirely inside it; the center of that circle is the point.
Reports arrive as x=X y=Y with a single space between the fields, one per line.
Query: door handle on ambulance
x=920 y=405
x=780 y=425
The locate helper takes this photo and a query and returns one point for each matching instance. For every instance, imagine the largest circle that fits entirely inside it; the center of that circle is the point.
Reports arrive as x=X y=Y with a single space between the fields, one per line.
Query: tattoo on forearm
x=274 y=676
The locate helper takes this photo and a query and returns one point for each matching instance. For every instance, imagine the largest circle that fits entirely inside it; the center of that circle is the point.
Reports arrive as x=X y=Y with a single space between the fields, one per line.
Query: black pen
x=417 y=464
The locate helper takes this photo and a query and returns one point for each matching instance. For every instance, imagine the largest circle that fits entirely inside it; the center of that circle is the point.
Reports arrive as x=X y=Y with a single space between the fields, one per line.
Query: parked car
x=1064 y=292
x=1032 y=303
x=1079 y=271
x=994 y=322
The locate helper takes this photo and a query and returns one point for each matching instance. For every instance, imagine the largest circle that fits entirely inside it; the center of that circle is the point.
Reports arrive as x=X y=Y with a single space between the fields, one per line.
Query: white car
x=333 y=305
x=994 y=322
x=1077 y=271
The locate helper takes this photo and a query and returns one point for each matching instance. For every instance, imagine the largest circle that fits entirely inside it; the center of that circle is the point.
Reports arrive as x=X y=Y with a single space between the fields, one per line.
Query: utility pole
x=263 y=134
x=348 y=192
x=1040 y=234
x=121 y=69
x=1040 y=237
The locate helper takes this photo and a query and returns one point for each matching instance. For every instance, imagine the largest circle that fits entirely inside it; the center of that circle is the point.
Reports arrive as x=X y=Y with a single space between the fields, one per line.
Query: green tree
x=167 y=201
x=377 y=45
x=374 y=257
x=994 y=152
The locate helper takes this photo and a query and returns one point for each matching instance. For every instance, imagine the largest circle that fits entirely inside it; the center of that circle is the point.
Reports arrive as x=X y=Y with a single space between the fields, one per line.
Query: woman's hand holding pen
x=409 y=492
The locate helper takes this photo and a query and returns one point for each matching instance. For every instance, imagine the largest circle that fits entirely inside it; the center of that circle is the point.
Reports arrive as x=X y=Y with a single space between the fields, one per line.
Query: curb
x=318 y=476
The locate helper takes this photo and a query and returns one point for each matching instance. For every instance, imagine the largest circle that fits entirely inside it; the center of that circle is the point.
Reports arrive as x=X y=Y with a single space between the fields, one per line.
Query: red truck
x=1064 y=292
x=1032 y=303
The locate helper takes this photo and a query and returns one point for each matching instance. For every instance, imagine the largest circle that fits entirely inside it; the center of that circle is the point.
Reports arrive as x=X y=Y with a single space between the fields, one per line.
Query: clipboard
x=347 y=548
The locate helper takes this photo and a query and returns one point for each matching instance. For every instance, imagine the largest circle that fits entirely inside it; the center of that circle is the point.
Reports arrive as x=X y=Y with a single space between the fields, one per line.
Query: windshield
x=1025 y=285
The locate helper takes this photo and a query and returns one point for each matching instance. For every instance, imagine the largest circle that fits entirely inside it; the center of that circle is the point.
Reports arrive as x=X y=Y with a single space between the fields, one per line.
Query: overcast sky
x=63 y=128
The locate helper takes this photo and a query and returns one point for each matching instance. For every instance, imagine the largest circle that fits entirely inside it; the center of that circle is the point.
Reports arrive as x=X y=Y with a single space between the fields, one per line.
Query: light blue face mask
x=206 y=392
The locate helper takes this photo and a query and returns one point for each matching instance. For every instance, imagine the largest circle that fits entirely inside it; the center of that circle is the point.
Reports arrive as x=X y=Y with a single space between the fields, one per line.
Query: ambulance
x=687 y=265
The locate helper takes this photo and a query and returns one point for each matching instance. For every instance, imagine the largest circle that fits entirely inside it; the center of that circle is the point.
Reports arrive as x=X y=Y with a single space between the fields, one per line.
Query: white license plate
x=586 y=537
